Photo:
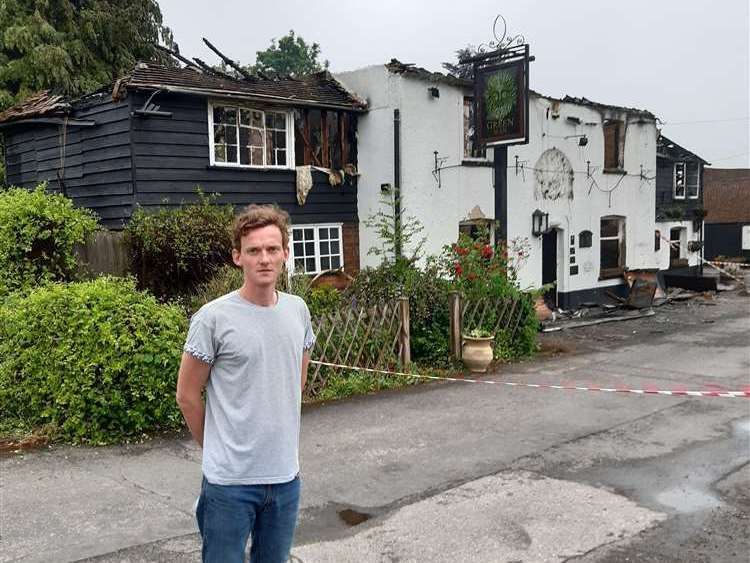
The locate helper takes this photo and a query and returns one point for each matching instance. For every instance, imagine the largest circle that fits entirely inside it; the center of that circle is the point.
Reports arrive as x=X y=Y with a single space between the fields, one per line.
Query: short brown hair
x=257 y=216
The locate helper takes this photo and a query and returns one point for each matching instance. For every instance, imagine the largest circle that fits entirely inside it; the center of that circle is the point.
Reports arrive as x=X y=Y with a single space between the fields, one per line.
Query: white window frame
x=684 y=180
x=620 y=238
x=697 y=184
x=290 y=157
x=316 y=240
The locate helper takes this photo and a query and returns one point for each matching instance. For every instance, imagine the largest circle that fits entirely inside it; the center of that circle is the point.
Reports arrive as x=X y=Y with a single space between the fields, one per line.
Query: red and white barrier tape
x=649 y=390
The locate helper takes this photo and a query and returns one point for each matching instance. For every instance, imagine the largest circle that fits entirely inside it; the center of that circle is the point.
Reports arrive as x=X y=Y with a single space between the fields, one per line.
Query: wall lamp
x=434 y=92
x=539 y=222
x=583 y=140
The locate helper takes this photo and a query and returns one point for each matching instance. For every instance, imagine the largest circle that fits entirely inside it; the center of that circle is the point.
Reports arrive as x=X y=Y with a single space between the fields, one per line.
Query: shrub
x=428 y=303
x=172 y=251
x=224 y=280
x=480 y=271
x=97 y=360
x=323 y=299
x=38 y=232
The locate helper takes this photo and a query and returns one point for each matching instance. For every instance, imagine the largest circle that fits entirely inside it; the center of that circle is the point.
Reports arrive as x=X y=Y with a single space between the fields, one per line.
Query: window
x=657 y=240
x=692 y=179
x=613 y=157
x=679 y=180
x=470 y=150
x=325 y=138
x=479 y=230
x=612 y=247
x=316 y=248
x=243 y=136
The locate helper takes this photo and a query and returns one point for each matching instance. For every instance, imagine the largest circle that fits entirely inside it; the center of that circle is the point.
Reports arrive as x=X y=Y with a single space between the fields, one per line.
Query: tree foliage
x=290 y=55
x=465 y=71
x=74 y=46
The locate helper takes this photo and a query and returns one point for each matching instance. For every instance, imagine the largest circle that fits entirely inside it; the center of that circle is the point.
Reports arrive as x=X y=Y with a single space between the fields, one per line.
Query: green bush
x=172 y=251
x=225 y=280
x=323 y=299
x=38 y=232
x=96 y=360
x=427 y=292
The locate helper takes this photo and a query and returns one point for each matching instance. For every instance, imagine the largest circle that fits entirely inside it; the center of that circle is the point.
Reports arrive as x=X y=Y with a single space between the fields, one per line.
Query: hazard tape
x=648 y=391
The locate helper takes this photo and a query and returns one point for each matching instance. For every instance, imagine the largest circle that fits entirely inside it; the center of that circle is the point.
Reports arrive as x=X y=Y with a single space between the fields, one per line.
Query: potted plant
x=476 y=350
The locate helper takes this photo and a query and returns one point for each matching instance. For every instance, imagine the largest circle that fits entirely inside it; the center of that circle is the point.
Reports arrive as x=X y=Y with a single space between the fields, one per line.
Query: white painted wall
x=633 y=198
x=689 y=234
x=427 y=124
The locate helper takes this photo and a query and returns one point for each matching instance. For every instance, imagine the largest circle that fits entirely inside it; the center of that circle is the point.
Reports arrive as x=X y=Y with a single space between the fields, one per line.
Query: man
x=251 y=348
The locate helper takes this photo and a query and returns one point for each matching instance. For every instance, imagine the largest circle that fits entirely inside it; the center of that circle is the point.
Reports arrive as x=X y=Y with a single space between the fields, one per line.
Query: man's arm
x=305 y=363
x=191 y=380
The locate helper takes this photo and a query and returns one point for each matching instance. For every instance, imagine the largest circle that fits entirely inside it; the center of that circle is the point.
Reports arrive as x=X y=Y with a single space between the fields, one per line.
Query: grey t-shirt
x=253 y=399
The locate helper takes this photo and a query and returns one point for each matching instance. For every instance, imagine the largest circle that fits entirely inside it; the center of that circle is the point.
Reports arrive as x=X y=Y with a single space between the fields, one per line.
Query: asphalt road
x=459 y=471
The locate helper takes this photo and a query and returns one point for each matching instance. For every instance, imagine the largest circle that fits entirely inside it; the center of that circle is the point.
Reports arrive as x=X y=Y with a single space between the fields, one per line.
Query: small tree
x=290 y=55
x=459 y=70
x=397 y=232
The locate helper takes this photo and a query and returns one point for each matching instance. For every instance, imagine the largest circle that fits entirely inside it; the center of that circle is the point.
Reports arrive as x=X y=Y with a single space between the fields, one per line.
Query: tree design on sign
x=500 y=96
x=554 y=176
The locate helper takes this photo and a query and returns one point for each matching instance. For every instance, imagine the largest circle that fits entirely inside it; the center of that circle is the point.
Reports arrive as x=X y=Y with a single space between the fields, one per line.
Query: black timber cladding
x=667 y=207
x=171 y=160
x=91 y=165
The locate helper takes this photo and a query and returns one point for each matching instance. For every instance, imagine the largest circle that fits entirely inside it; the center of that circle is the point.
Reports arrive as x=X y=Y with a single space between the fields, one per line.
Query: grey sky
x=686 y=61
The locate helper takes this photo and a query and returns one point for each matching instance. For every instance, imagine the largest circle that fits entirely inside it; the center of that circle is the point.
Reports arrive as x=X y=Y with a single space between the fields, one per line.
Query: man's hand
x=191 y=380
x=305 y=363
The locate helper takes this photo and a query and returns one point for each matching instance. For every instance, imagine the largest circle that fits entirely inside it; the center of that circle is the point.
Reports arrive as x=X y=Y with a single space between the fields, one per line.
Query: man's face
x=261 y=256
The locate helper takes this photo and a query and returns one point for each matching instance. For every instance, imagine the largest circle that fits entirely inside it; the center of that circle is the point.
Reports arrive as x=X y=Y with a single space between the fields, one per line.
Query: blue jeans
x=228 y=514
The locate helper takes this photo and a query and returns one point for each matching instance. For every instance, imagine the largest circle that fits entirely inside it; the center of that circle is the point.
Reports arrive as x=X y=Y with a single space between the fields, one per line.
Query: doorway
x=549 y=266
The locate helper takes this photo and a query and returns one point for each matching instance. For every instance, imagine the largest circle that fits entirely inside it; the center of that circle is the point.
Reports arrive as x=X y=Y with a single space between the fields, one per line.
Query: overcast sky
x=686 y=61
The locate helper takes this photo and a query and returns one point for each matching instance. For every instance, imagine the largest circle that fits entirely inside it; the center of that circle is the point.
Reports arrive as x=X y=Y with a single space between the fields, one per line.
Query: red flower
x=487 y=251
x=458 y=269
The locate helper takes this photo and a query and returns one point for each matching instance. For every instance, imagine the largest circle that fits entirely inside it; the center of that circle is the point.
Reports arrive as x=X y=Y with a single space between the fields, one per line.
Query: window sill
x=619 y=171
x=611 y=274
x=477 y=162
x=249 y=168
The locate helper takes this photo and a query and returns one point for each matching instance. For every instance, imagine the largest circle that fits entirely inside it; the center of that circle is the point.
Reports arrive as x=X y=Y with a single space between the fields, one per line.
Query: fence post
x=456 y=322
x=404 y=336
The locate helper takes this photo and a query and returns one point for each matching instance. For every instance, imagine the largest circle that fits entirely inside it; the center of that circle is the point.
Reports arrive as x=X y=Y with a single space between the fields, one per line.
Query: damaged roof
x=41 y=104
x=597 y=105
x=666 y=148
x=726 y=195
x=318 y=89
x=407 y=69
x=313 y=90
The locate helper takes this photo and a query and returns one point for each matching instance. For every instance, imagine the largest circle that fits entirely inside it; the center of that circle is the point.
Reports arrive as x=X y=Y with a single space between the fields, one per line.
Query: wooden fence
x=501 y=316
x=364 y=337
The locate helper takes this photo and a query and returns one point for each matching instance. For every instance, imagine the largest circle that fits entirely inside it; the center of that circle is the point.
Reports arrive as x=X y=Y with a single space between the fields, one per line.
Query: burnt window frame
x=320 y=154
x=618 y=159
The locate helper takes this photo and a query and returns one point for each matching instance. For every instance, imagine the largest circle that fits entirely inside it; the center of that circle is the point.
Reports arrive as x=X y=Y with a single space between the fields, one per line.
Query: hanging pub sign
x=502 y=99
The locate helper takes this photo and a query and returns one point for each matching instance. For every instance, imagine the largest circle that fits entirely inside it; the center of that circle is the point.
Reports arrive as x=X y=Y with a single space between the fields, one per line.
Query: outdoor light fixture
x=434 y=92
x=539 y=222
x=583 y=141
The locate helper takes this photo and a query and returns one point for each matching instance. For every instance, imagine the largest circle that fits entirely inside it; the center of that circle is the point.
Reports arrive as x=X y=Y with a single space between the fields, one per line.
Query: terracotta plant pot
x=476 y=353
x=543 y=313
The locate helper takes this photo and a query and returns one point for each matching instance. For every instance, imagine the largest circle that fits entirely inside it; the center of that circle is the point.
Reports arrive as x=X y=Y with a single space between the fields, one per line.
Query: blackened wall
x=724 y=239
x=171 y=159
x=665 y=202
x=91 y=165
